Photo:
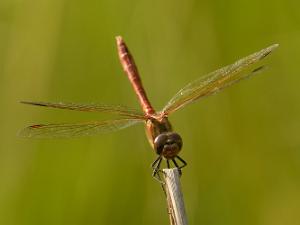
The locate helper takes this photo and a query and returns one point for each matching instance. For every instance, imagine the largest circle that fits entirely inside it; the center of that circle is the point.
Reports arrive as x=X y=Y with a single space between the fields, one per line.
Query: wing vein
x=76 y=129
x=119 y=110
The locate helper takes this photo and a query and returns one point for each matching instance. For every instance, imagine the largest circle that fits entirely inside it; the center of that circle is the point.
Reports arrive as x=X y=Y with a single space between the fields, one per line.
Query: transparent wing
x=76 y=129
x=119 y=110
x=218 y=80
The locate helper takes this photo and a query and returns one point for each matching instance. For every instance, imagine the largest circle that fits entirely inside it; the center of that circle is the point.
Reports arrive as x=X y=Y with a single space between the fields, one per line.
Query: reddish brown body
x=156 y=124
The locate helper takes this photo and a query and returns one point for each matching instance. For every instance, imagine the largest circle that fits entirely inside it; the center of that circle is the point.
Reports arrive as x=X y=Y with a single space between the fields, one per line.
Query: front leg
x=155 y=166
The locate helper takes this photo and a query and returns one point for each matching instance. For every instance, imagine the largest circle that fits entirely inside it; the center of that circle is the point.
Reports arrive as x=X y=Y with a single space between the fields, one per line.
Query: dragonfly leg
x=181 y=160
x=155 y=166
x=175 y=163
x=177 y=166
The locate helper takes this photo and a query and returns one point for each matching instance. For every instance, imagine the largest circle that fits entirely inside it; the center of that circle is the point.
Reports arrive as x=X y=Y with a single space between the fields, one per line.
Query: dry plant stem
x=174 y=194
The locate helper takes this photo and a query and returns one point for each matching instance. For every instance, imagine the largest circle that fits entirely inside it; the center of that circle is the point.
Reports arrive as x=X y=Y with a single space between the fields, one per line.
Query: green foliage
x=242 y=145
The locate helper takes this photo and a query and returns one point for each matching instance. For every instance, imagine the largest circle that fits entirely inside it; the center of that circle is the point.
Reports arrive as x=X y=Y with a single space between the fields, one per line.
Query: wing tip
x=266 y=51
x=23 y=133
x=33 y=103
x=24 y=102
x=28 y=132
x=273 y=47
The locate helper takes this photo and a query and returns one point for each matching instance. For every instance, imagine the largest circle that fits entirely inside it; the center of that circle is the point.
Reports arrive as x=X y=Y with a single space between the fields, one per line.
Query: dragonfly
x=166 y=143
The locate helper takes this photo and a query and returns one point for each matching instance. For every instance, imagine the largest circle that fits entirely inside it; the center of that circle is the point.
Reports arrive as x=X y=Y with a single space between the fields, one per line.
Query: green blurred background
x=242 y=145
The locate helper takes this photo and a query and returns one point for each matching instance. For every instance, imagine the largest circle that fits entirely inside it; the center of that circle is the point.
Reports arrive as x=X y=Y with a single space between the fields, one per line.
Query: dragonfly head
x=168 y=144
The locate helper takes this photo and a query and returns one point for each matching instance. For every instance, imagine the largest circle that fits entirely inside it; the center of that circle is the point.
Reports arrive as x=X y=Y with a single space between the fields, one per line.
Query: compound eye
x=159 y=143
x=175 y=138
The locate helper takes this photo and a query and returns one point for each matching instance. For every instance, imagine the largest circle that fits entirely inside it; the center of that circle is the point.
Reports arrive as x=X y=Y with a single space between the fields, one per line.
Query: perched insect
x=165 y=142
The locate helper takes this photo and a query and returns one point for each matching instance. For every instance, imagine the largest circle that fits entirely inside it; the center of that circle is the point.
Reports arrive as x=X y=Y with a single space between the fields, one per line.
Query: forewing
x=76 y=129
x=119 y=110
x=218 y=80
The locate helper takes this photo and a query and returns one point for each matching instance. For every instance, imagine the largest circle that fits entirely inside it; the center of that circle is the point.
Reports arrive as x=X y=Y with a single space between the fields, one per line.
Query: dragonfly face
x=168 y=144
